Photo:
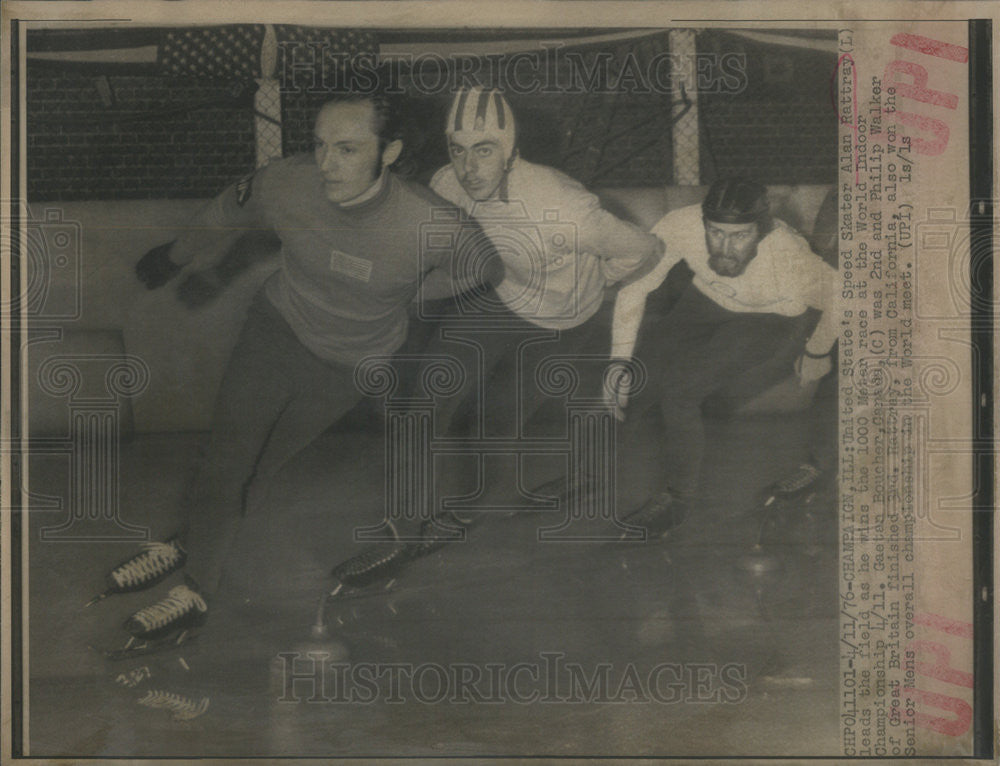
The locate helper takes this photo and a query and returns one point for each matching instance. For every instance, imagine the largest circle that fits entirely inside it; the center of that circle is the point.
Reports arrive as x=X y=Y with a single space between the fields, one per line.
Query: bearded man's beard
x=730 y=265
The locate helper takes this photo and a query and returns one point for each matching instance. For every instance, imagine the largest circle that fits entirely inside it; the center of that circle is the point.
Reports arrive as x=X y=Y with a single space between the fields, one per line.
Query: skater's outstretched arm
x=623 y=249
x=193 y=257
x=815 y=361
x=474 y=264
x=630 y=304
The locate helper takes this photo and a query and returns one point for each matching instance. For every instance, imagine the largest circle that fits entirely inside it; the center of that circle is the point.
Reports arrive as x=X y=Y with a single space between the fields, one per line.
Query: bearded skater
x=753 y=276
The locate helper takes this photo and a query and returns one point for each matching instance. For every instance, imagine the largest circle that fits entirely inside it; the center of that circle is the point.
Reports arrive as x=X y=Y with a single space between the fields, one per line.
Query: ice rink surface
x=565 y=648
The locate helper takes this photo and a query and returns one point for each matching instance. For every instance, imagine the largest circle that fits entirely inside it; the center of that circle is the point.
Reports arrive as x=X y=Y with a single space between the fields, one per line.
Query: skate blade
x=136 y=647
x=99 y=597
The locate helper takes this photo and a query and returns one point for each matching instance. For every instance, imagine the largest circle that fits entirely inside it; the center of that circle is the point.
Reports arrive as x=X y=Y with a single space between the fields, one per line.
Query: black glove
x=199 y=288
x=155 y=268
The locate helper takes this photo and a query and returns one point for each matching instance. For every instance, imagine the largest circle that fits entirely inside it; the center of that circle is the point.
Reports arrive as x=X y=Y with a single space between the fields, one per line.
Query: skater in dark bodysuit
x=350 y=266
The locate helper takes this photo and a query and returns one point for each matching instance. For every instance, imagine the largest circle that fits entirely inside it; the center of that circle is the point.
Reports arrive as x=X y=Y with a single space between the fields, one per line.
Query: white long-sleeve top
x=560 y=249
x=786 y=277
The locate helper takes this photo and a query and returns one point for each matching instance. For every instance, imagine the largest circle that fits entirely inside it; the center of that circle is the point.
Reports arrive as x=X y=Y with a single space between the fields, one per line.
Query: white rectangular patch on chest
x=350 y=265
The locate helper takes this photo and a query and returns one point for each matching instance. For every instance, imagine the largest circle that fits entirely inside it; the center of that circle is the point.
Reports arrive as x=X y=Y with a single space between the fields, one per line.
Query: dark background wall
x=135 y=135
x=155 y=137
x=782 y=129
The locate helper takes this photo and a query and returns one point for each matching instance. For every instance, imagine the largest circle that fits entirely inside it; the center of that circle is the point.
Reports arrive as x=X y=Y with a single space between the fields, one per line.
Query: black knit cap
x=737 y=200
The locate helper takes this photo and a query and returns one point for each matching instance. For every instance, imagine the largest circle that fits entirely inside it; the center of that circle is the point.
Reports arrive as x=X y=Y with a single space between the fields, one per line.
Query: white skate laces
x=183 y=708
x=143 y=570
x=156 y=561
x=180 y=606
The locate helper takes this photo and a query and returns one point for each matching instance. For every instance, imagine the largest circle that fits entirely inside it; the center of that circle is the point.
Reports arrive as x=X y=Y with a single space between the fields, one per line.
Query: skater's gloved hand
x=199 y=288
x=617 y=386
x=155 y=268
x=810 y=368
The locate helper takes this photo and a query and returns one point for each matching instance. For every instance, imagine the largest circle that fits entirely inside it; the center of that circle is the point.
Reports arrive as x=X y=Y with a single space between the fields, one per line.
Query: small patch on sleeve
x=244 y=189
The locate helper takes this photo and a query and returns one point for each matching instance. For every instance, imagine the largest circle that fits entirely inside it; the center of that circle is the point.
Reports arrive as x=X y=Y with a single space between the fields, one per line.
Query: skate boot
x=661 y=515
x=183 y=608
x=372 y=564
x=799 y=483
x=382 y=561
x=164 y=625
x=145 y=569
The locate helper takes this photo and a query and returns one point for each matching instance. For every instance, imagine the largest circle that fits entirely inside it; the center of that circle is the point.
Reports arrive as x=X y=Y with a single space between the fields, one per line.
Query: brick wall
x=132 y=137
x=129 y=137
x=782 y=129
x=566 y=131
